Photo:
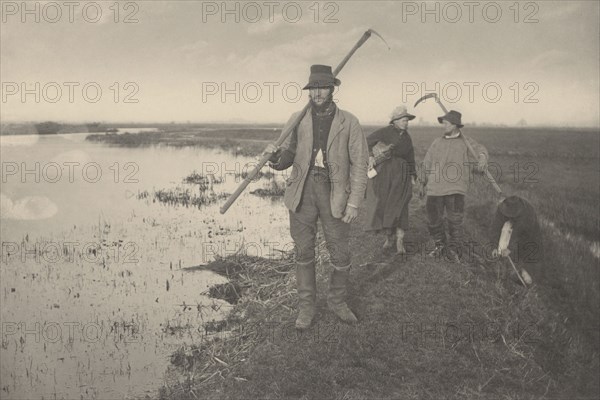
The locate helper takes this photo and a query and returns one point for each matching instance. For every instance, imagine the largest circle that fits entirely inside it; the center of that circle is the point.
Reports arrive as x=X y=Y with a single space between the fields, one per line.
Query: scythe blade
x=427 y=96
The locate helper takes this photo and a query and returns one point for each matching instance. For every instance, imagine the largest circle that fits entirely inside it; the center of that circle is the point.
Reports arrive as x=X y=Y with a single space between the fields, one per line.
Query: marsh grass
x=209 y=139
x=426 y=330
x=182 y=196
x=204 y=182
x=268 y=174
x=185 y=195
x=274 y=189
x=540 y=342
x=257 y=287
x=557 y=172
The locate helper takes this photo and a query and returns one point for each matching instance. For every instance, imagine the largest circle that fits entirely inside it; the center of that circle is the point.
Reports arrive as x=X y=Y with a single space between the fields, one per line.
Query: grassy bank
x=428 y=328
x=241 y=142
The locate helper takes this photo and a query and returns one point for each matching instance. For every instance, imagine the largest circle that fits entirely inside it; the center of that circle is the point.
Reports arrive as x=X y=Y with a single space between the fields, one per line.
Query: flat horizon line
x=280 y=124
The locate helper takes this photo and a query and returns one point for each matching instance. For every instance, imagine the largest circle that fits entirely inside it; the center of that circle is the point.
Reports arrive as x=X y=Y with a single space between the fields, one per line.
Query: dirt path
x=427 y=329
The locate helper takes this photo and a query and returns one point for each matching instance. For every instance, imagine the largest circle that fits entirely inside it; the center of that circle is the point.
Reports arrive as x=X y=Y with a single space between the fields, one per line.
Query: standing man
x=329 y=156
x=446 y=176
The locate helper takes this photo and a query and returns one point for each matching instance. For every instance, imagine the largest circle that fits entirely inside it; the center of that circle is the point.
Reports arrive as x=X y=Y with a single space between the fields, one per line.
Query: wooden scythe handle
x=472 y=151
x=488 y=174
x=233 y=197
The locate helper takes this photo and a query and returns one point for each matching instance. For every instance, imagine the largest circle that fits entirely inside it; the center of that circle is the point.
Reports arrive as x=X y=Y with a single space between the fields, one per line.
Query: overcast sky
x=179 y=55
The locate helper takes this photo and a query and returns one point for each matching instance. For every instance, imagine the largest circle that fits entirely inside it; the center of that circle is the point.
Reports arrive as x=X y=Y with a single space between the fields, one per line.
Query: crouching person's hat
x=321 y=76
x=512 y=206
x=454 y=117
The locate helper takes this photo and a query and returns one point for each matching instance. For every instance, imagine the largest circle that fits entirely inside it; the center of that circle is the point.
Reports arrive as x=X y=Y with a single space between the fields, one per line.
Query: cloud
x=309 y=49
x=559 y=11
x=96 y=13
x=265 y=26
x=548 y=60
x=448 y=68
x=396 y=44
x=192 y=51
x=27 y=208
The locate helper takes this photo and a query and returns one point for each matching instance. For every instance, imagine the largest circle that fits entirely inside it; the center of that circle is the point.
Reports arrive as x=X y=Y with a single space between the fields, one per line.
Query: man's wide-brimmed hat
x=512 y=206
x=321 y=76
x=400 y=112
x=454 y=117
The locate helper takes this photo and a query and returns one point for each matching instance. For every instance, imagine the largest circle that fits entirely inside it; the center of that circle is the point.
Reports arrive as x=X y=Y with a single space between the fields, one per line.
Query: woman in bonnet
x=392 y=172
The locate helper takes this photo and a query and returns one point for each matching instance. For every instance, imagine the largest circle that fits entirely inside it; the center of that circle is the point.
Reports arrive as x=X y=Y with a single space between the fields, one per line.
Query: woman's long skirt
x=388 y=195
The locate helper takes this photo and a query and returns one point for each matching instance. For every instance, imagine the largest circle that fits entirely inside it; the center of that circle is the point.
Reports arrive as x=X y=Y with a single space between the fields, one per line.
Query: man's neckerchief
x=453 y=135
x=322 y=117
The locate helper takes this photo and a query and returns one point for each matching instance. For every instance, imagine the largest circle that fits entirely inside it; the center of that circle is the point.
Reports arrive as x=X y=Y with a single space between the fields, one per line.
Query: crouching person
x=517 y=232
x=329 y=156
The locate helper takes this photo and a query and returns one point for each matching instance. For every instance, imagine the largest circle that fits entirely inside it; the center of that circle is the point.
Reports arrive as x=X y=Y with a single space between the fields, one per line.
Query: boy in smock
x=446 y=174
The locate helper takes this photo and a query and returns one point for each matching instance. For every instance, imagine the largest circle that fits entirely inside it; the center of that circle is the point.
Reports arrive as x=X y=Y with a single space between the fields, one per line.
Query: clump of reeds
x=231 y=292
x=204 y=182
x=258 y=286
x=275 y=189
x=259 y=278
x=261 y=174
x=180 y=196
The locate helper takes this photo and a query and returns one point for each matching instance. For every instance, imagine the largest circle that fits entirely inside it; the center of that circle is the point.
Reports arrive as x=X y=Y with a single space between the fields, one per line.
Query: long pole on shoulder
x=263 y=160
x=469 y=147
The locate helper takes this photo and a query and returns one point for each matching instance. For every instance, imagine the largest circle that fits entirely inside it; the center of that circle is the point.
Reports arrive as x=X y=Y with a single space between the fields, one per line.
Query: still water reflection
x=93 y=289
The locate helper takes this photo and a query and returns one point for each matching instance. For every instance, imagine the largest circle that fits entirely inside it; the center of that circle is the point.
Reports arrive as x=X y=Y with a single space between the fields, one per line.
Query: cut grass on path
x=427 y=329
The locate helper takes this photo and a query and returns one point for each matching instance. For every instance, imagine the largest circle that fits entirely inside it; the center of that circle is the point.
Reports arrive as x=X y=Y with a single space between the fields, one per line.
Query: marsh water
x=94 y=291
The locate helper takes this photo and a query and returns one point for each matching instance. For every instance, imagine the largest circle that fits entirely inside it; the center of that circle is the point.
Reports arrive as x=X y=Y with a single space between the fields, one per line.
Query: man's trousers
x=316 y=205
x=454 y=205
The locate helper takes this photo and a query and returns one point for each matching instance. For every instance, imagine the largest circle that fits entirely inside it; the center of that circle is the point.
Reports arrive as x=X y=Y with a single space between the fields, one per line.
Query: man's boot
x=400 y=241
x=306 y=285
x=438 y=233
x=390 y=239
x=437 y=250
x=337 y=295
